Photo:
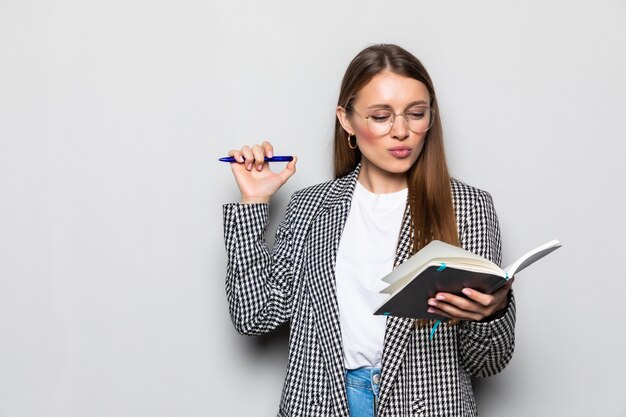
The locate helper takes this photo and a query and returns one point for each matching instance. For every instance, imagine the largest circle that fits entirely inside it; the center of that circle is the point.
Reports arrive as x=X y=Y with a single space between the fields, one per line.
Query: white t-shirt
x=366 y=254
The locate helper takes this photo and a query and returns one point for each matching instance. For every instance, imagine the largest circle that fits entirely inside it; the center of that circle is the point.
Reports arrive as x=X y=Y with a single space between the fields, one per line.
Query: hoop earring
x=350 y=136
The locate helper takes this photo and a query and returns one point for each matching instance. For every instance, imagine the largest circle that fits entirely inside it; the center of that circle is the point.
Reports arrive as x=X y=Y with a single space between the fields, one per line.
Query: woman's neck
x=379 y=181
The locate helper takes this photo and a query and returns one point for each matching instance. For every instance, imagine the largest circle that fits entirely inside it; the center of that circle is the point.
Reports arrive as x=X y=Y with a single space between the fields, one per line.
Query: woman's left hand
x=475 y=306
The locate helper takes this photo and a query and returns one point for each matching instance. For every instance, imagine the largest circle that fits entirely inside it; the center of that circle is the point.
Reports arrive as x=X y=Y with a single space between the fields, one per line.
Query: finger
x=457 y=303
x=238 y=168
x=235 y=153
x=460 y=302
x=259 y=156
x=434 y=310
x=289 y=170
x=481 y=298
x=268 y=148
x=453 y=311
x=247 y=154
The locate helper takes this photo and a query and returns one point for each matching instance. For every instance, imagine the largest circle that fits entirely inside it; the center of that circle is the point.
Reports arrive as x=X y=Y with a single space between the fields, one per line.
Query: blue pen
x=272 y=159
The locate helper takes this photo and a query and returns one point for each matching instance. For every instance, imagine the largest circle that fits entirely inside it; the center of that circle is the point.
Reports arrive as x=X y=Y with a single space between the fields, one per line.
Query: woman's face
x=395 y=152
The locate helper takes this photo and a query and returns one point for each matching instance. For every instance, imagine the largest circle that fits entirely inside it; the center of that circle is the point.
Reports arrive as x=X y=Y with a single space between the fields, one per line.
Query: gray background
x=112 y=115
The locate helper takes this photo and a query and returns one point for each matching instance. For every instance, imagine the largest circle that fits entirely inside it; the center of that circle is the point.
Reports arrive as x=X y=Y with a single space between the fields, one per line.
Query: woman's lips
x=400 y=152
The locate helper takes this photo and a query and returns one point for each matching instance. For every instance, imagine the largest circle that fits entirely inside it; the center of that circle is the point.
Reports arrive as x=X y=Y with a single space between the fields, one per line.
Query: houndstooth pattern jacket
x=295 y=282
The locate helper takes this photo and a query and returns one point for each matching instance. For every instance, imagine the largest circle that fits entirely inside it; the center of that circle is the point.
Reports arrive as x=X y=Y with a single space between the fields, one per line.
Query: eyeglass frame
x=393 y=118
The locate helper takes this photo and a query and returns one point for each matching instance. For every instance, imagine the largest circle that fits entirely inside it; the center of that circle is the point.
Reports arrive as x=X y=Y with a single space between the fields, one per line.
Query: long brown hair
x=430 y=198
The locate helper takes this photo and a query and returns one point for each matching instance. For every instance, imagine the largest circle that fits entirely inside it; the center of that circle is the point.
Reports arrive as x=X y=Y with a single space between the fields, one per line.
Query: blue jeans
x=362 y=387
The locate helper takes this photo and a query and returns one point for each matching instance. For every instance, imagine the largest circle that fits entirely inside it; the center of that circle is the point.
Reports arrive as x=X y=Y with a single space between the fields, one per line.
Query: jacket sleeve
x=486 y=346
x=258 y=281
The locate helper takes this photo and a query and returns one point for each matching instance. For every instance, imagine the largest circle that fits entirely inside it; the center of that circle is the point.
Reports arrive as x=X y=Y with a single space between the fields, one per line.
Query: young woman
x=391 y=196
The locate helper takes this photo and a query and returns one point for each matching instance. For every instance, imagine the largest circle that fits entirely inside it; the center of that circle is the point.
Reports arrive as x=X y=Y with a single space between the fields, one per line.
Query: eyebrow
x=387 y=106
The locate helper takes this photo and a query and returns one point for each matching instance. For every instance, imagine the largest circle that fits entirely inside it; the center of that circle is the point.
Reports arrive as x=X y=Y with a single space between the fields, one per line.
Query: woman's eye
x=416 y=114
x=380 y=117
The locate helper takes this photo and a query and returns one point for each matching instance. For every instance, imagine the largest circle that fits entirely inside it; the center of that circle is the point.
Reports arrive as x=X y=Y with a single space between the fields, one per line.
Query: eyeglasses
x=418 y=119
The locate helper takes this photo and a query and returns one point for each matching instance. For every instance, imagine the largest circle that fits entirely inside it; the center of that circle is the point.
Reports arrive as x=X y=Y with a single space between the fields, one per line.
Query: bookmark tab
x=434 y=329
x=442 y=267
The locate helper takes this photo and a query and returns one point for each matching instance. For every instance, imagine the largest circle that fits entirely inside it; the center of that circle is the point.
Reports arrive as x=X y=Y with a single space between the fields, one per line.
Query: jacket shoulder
x=477 y=221
x=329 y=193
x=466 y=196
x=307 y=202
x=314 y=192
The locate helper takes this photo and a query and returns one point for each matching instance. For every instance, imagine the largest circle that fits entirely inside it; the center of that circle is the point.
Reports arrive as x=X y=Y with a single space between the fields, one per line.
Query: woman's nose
x=400 y=128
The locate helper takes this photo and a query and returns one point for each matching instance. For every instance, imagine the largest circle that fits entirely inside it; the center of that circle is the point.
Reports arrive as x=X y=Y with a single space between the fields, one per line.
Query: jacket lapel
x=324 y=236
x=399 y=330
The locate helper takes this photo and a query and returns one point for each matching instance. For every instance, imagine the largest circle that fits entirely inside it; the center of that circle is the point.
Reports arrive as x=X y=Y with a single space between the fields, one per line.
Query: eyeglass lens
x=418 y=120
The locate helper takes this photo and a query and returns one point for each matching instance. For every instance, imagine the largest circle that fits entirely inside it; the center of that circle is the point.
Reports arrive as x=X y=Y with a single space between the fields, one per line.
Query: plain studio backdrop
x=113 y=115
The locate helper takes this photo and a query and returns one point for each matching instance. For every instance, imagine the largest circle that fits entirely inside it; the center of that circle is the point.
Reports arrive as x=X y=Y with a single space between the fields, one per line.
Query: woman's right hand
x=256 y=182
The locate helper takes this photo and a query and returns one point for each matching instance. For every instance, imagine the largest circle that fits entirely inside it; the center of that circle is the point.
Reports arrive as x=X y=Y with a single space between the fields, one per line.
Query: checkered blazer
x=295 y=282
